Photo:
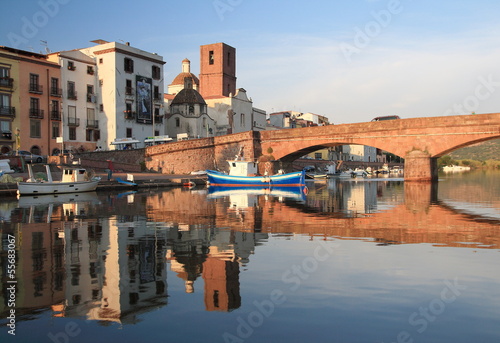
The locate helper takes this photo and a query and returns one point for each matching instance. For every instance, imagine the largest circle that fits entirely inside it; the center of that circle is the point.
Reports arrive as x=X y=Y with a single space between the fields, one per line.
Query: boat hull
x=294 y=179
x=31 y=188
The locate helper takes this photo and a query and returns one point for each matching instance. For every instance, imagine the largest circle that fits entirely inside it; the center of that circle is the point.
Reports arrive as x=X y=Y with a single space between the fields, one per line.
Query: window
x=228 y=58
x=89 y=134
x=34 y=83
x=128 y=87
x=5 y=129
x=35 y=111
x=97 y=135
x=129 y=132
x=5 y=108
x=90 y=70
x=91 y=121
x=35 y=128
x=54 y=110
x=177 y=122
x=128 y=65
x=55 y=130
x=90 y=94
x=72 y=133
x=242 y=120
x=156 y=72
x=156 y=93
x=100 y=60
x=71 y=65
x=71 y=90
x=54 y=86
x=210 y=57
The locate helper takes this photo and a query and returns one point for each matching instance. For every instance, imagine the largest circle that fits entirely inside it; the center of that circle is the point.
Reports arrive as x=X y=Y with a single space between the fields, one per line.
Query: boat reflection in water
x=107 y=260
x=247 y=196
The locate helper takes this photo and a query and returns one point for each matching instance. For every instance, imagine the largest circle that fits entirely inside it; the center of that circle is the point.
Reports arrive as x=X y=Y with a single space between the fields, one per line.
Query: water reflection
x=105 y=257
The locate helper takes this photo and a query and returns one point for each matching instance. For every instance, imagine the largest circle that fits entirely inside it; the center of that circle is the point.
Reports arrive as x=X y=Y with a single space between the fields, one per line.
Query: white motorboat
x=74 y=180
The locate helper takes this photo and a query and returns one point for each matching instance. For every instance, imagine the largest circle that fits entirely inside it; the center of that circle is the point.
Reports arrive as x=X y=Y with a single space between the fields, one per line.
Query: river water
x=357 y=260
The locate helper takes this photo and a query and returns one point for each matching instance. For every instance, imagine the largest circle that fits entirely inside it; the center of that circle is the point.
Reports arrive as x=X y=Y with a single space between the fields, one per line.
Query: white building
x=187 y=115
x=235 y=113
x=130 y=91
x=81 y=123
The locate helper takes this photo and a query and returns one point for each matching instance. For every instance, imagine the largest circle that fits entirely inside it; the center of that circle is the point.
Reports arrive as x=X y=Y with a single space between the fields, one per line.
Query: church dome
x=186 y=72
x=188 y=96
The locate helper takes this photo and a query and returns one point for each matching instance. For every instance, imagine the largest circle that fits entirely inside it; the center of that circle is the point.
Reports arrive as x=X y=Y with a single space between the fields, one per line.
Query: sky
x=348 y=60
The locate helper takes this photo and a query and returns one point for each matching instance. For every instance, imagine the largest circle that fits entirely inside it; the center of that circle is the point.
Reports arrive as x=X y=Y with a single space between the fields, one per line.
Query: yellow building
x=9 y=100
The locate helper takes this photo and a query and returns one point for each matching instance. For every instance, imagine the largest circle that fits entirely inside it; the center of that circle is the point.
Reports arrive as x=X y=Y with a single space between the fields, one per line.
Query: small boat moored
x=74 y=180
x=245 y=173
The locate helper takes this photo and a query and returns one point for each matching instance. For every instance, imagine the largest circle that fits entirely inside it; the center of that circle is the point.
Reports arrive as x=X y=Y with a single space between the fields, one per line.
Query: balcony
x=129 y=91
x=72 y=121
x=36 y=113
x=55 y=115
x=157 y=97
x=72 y=95
x=6 y=135
x=7 y=82
x=91 y=98
x=129 y=115
x=92 y=124
x=158 y=119
x=35 y=88
x=56 y=92
x=7 y=111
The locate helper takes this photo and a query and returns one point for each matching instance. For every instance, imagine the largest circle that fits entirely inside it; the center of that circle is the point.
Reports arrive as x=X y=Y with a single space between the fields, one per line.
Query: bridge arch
x=418 y=140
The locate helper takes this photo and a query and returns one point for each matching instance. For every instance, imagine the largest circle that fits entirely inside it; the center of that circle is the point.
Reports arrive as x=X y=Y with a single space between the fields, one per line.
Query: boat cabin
x=242 y=168
x=74 y=175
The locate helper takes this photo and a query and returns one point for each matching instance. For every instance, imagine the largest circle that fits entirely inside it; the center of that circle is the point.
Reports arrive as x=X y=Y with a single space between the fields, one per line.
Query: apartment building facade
x=129 y=92
x=31 y=106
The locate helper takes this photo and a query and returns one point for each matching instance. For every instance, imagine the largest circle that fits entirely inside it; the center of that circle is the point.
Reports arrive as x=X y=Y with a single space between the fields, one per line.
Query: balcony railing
x=72 y=95
x=72 y=121
x=92 y=124
x=55 y=115
x=157 y=97
x=36 y=88
x=6 y=82
x=91 y=98
x=7 y=111
x=55 y=91
x=36 y=113
x=158 y=119
x=129 y=115
x=129 y=91
x=6 y=135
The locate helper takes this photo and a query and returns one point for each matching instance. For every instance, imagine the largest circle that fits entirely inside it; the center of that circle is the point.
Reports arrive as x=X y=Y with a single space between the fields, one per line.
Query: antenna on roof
x=44 y=43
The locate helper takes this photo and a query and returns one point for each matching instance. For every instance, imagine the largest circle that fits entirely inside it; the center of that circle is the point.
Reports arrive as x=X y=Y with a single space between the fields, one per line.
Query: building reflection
x=106 y=257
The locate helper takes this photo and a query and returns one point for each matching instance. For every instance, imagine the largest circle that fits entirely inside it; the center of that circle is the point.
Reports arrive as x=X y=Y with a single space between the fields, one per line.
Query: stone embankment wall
x=126 y=160
x=201 y=154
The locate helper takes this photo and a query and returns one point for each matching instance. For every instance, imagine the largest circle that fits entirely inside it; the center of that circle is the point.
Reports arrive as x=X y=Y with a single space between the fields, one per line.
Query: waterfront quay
x=141 y=180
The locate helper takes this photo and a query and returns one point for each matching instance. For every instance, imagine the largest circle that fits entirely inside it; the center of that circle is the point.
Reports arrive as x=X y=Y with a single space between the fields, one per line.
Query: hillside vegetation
x=489 y=150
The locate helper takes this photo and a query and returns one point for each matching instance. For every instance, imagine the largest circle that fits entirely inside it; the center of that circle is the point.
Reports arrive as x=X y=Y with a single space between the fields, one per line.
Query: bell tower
x=217 y=70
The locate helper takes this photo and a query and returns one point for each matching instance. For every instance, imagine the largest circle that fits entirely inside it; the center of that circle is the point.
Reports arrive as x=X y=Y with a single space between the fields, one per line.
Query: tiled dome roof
x=179 y=79
x=188 y=96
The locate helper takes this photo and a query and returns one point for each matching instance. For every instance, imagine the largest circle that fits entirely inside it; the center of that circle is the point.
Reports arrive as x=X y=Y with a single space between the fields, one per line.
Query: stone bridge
x=420 y=141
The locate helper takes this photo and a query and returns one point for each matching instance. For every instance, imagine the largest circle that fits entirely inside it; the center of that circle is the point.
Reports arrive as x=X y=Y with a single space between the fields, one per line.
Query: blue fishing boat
x=245 y=173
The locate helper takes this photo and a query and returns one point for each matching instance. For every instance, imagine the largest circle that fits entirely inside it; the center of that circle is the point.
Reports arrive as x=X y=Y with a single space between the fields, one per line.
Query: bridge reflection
x=106 y=258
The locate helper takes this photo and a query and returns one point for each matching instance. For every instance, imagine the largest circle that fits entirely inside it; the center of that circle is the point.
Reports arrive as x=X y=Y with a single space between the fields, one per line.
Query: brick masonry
x=419 y=140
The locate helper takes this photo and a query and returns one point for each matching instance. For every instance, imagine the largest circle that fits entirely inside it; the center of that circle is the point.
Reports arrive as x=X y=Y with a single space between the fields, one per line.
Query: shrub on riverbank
x=473 y=164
